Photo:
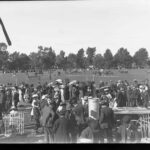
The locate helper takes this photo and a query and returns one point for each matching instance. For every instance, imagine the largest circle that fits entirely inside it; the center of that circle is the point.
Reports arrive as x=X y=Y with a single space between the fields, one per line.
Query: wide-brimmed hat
x=44 y=96
x=34 y=95
x=73 y=82
x=106 y=90
x=59 y=81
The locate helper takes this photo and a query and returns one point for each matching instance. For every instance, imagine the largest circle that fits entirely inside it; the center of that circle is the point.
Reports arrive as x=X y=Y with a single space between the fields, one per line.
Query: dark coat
x=16 y=97
x=121 y=99
x=47 y=116
x=61 y=130
x=66 y=92
x=106 y=117
x=36 y=113
x=2 y=97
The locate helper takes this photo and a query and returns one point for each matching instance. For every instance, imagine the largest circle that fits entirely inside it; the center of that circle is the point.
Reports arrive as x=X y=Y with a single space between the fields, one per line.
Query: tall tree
x=71 y=60
x=80 y=61
x=90 y=55
x=48 y=57
x=108 y=58
x=14 y=61
x=140 y=57
x=61 y=60
x=98 y=61
x=123 y=58
x=24 y=62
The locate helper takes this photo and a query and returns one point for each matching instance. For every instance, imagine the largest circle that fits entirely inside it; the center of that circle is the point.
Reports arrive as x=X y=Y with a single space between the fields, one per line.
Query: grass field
x=139 y=74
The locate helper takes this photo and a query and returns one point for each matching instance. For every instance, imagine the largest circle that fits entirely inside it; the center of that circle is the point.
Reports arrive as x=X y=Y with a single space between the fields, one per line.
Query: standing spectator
x=66 y=92
x=144 y=96
x=121 y=98
x=106 y=121
x=35 y=113
x=72 y=123
x=62 y=93
x=61 y=127
x=15 y=96
x=8 y=100
x=135 y=96
x=47 y=120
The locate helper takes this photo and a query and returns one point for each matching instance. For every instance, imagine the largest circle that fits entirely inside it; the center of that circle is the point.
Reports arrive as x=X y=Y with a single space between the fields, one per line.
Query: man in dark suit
x=106 y=121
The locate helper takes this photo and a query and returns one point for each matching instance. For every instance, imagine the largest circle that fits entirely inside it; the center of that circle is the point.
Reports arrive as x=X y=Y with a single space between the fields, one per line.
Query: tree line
x=45 y=58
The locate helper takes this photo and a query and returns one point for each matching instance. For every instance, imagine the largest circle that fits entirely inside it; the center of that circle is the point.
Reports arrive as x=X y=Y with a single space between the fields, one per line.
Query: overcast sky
x=71 y=25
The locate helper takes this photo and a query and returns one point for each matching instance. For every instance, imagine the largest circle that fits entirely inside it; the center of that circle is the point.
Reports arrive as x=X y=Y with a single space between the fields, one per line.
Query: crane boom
x=5 y=32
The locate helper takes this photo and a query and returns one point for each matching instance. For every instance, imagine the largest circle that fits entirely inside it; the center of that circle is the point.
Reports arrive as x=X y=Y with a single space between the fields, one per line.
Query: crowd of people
x=61 y=108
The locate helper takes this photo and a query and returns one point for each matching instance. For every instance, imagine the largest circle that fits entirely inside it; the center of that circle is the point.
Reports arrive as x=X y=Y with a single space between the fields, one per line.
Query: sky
x=71 y=25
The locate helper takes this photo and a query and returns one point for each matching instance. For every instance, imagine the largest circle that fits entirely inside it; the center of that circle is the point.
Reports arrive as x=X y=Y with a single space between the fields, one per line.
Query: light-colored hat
x=73 y=82
x=44 y=96
x=34 y=95
x=59 y=80
x=106 y=89
x=49 y=84
x=141 y=87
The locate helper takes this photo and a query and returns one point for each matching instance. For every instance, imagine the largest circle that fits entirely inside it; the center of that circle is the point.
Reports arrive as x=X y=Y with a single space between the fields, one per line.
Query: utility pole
x=5 y=32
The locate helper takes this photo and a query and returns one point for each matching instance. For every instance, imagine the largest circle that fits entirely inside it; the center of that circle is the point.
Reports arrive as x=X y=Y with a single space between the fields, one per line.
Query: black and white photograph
x=75 y=71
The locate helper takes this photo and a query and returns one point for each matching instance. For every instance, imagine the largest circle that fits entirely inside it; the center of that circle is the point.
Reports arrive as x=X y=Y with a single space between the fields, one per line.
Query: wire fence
x=14 y=123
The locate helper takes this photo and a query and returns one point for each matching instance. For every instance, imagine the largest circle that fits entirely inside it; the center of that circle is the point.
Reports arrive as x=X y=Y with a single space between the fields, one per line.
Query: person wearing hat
x=121 y=98
x=66 y=91
x=15 y=96
x=59 y=81
x=48 y=117
x=61 y=127
x=74 y=93
x=62 y=93
x=73 y=123
x=106 y=121
x=43 y=101
x=144 y=96
x=8 y=100
x=135 y=97
x=35 y=112
x=57 y=96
